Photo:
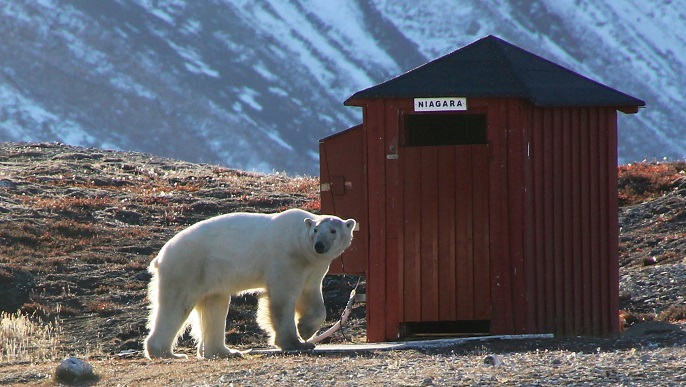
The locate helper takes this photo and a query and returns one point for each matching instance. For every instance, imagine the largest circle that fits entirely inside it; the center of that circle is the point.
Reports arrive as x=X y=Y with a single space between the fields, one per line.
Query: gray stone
x=73 y=369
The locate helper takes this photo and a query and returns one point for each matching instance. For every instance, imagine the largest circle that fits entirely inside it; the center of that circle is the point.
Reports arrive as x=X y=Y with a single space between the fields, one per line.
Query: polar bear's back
x=249 y=226
x=236 y=235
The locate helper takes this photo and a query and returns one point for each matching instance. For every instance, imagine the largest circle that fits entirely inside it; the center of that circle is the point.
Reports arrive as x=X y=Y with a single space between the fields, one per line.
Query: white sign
x=440 y=104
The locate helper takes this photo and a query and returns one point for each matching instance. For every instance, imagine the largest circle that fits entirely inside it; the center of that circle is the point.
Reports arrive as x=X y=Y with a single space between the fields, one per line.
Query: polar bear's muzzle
x=320 y=247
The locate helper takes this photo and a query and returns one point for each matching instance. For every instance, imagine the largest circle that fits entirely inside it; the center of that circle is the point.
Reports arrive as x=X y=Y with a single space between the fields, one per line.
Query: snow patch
x=248 y=96
x=275 y=136
x=194 y=62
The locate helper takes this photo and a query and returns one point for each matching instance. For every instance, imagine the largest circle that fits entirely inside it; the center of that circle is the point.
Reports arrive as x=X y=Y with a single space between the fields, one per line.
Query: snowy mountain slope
x=638 y=47
x=255 y=84
x=222 y=82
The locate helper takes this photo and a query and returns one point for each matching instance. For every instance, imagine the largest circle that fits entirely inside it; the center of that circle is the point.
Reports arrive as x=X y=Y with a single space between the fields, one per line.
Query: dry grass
x=27 y=339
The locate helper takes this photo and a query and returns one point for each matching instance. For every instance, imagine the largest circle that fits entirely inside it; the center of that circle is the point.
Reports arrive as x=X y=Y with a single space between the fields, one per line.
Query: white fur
x=197 y=271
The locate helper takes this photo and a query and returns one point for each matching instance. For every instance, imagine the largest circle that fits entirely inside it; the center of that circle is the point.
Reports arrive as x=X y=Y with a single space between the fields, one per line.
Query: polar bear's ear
x=309 y=223
x=350 y=224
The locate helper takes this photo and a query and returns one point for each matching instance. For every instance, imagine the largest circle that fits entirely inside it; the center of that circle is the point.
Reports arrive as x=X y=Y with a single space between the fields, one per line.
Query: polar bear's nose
x=319 y=248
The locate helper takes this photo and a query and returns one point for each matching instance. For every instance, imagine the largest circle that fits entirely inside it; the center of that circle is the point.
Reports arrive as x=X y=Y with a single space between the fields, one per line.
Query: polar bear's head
x=330 y=235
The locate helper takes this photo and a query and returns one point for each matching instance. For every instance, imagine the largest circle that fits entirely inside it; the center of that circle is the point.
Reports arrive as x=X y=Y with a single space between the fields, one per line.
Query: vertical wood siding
x=375 y=124
x=573 y=252
x=342 y=173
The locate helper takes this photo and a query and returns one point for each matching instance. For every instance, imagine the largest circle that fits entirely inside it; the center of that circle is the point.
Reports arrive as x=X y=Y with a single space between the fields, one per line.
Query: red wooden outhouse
x=485 y=186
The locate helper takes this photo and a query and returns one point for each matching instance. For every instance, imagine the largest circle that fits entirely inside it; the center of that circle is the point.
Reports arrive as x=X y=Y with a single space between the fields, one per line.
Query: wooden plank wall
x=383 y=288
x=554 y=231
x=391 y=218
x=375 y=146
x=506 y=298
x=342 y=169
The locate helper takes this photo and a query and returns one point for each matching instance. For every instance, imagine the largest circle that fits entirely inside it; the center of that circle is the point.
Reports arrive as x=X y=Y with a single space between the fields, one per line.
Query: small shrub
x=313 y=206
x=640 y=182
x=102 y=308
x=56 y=262
x=135 y=286
x=155 y=200
x=137 y=264
x=48 y=313
x=633 y=318
x=12 y=234
x=673 y=313
x=6 y=275
x=72 y=229
x=102 y=289
x=69 y=203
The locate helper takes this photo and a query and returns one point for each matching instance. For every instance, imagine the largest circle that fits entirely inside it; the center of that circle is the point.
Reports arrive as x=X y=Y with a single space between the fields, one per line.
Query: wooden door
x=342 y=194
x=444 y=258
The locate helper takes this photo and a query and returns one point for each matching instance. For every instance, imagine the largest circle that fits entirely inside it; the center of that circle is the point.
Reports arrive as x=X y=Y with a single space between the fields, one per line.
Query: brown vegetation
x=640 y=182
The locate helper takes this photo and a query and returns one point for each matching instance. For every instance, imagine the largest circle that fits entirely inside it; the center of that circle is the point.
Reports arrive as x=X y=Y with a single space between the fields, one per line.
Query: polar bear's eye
x=333 y=231
x=315 y=230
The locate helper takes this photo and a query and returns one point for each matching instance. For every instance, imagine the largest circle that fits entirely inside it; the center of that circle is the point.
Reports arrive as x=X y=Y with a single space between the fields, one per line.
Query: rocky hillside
x=78 y=227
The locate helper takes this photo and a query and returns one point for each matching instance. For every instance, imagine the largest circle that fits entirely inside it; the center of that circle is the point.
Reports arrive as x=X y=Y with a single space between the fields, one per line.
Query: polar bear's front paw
x=152 y=350
x=164 y=355
x=220 y=352
x=297 y=346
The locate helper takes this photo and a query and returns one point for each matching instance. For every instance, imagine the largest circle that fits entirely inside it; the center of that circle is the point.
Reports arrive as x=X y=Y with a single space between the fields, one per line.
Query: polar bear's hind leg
x=167 y=322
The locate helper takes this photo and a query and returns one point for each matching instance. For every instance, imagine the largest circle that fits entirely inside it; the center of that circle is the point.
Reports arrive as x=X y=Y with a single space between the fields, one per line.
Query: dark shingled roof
x=492 y=67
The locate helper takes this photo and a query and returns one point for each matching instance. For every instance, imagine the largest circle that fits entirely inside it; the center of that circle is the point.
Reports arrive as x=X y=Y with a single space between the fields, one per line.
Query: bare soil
x=79 y=226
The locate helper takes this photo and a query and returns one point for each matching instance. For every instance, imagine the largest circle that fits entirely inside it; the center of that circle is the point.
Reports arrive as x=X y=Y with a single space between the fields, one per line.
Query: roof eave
x=626 y=109
x=629 y=109
x=353 y=101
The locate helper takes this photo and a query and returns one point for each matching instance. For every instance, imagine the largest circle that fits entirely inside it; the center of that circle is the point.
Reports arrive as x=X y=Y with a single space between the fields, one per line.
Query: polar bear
x=283 y=256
